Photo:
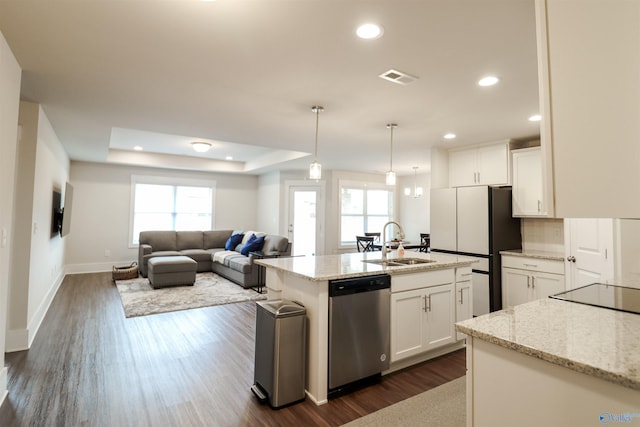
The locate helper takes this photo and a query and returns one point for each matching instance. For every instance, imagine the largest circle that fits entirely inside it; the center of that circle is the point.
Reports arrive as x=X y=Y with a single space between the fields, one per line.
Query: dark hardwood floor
x=90 y=366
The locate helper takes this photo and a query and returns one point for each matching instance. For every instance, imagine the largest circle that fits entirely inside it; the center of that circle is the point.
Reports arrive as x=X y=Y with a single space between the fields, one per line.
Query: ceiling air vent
x=398 y=77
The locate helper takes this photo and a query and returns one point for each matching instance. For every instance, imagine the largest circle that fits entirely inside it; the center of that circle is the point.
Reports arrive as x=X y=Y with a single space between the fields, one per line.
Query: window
x=363 y=208
x=165 y=204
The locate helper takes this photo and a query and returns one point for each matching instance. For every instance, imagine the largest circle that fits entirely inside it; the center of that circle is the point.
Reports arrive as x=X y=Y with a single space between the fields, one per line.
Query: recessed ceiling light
x=488 y=81
x=450 y=136
x=228 y=158
x=369 y=31
x=535 y=118
x=138 y=148
x=201 y=147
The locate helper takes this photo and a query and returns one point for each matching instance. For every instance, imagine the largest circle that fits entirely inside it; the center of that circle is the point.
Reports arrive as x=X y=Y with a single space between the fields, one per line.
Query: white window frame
x=172 y=181
x=361 y=185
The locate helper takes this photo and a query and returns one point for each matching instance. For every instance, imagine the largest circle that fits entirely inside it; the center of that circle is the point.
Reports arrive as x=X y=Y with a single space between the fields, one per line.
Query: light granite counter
x=553 y=256
x=330 y=267
x=595 y=341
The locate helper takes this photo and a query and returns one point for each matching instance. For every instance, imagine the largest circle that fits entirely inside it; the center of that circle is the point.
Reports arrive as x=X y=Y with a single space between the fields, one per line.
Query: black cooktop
x=614 y=297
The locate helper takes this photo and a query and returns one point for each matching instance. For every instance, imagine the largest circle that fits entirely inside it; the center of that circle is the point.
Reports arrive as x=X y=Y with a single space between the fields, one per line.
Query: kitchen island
x=306 y=280
x=552 y=362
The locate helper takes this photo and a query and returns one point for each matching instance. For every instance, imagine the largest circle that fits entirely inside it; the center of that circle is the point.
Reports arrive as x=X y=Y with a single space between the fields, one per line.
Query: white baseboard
x=3 y=384
x=17 y=340
x=93 y=267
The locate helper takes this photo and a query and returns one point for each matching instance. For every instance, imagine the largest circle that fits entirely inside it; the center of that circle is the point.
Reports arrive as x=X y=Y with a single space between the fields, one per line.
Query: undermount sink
x=395 y=262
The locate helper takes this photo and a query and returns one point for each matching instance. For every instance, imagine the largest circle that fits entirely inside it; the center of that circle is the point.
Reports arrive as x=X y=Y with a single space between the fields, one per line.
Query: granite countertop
x=600 y=342
x=554 y=256
x=330 y=267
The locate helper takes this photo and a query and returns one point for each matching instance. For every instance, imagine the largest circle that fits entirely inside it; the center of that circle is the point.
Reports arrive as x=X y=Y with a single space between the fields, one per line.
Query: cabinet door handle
x=533 y=282
x=528 y=281
x=539 y=206
x=531 y=265
x=461 y=299
x=424 y=303
x=428 y=300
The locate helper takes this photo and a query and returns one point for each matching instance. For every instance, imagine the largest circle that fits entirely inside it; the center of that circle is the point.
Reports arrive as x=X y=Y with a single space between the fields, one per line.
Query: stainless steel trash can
x=280 y=354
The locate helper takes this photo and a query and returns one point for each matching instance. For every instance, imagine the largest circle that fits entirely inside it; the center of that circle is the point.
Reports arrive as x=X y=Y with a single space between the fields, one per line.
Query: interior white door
x=590 y=250
x=473 y=219
x=304 y=227
x=443 y=219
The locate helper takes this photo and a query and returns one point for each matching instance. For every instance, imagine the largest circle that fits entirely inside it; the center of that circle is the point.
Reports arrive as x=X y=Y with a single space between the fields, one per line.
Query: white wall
x=38 y=267
x=101 y=210
x=269 y=203
x=9 y=102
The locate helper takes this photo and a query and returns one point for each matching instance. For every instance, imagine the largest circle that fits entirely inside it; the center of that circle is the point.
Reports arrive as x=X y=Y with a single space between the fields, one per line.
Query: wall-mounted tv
x=61 y=211
x=68 y=204
x=56 y=212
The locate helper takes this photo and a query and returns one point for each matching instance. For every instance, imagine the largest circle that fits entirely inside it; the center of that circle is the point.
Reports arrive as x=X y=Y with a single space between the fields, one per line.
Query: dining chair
x=374 y=234
x=425 y=242
x=364 y=243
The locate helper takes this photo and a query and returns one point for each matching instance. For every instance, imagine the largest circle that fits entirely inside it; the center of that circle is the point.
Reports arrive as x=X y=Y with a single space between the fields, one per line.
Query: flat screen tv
x=66 y=210
x=56 y=212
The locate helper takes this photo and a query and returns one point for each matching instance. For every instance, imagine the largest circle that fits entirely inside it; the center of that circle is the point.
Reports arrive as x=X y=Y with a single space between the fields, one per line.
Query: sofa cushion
x=253 y=245
x=159 y=240
x=273 y=243
x=189 y=240
x=239 y=263
x=215 y=238
x=233 y=241
x=200 y=255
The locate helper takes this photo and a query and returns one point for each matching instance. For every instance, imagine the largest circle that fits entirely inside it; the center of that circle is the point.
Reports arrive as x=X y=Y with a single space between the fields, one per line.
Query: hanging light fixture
x=315 y=169
x=417 y=191
x=391 y=175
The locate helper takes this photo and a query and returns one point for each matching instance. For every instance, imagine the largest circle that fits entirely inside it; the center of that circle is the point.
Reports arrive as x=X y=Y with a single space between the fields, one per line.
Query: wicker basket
x=124 y=273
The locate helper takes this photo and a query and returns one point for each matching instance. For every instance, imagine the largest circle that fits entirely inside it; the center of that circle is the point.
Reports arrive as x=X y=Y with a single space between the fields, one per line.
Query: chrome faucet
x=384 y=238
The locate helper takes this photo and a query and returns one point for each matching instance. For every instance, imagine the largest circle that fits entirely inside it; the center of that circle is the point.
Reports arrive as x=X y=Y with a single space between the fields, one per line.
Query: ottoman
x=171 y=271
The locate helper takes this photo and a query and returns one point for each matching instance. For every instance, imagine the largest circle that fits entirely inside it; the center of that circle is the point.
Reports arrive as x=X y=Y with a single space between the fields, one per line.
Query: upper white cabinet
x=527 y=192
x=484 y=165
x=589 y=63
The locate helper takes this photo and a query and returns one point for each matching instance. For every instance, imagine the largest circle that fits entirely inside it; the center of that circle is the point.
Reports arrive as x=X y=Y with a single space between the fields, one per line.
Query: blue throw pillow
x=253 y=245
x=233 y=241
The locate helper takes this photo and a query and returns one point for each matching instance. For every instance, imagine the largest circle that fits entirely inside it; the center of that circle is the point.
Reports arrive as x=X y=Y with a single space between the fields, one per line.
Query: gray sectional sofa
x=202 y=247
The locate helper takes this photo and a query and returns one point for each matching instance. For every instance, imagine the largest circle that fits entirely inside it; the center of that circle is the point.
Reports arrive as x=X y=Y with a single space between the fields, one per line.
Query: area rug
x=139 y=298
x=443 y=406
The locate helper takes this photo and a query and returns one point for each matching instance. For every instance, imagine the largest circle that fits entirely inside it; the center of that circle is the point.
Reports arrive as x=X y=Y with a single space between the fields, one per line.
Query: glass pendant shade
x=315 y=170
x=391 y=178
x=417 y=191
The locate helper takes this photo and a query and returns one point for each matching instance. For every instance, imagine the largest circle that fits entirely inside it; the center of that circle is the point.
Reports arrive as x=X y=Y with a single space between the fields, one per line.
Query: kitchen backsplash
x=540 y=234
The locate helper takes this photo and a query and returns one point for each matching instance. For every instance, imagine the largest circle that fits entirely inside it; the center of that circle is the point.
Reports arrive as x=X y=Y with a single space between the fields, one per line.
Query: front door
x=590 y=251
x=305 y=222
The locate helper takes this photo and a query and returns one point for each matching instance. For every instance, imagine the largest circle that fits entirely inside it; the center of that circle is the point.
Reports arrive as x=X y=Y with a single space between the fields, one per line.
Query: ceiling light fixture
x=369 y=31
x=138 y=148
x=315 y=169
x=535 y=118
x=391 y=175
x=417 y=191
x=201 y=147
x=488 y=81
x=450 y=136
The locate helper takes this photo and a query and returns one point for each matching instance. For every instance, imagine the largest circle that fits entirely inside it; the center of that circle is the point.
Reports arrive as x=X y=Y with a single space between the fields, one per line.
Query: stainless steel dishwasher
x=359 y=343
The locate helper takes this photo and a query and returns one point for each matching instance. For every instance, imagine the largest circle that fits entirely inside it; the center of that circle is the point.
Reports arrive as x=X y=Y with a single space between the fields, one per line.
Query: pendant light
x=417 y=191
x=315 y=169
x=391 y=175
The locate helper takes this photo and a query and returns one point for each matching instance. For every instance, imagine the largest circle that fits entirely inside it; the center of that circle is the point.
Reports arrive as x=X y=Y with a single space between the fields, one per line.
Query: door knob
x=571 y=258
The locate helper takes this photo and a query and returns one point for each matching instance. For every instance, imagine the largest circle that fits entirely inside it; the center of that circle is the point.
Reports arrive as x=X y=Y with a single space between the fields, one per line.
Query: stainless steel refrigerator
x=476 y=222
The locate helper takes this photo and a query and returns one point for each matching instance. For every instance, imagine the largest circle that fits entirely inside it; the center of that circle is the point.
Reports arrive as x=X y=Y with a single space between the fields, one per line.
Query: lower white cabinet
x=421 y=320
x=464 y=303
x=526 y=279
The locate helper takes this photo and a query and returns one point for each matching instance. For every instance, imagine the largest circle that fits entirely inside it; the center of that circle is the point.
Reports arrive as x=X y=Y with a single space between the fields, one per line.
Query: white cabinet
x=590 y=104
x=527 y=192
x=423 y=312
x=525 y=279
x=464 y=297
x=485 y=165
